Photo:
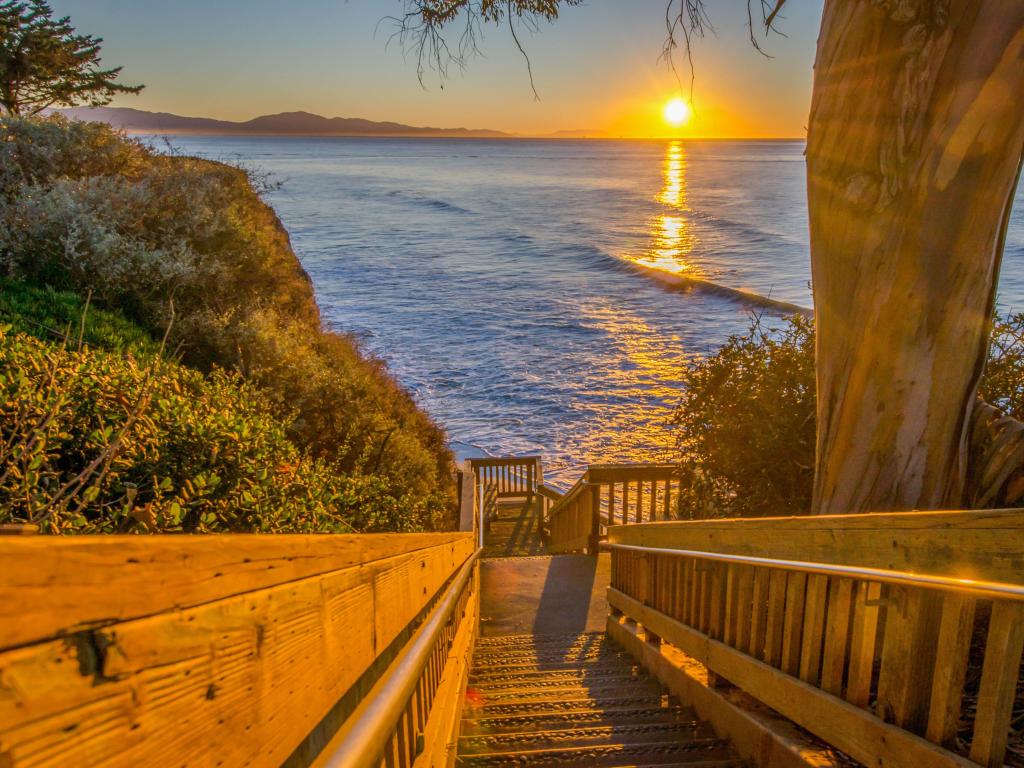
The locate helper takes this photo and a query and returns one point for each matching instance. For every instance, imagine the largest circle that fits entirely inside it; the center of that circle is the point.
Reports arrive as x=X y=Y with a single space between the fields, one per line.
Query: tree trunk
x=914 y=147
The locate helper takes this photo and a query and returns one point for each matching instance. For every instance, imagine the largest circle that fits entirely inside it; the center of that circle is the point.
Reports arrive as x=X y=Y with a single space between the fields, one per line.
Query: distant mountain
x=283 y=124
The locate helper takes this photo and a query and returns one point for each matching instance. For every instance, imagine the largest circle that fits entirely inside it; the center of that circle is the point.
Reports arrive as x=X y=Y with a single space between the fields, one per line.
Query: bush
x=746 y=425
x=187 y=245
x=747 y=419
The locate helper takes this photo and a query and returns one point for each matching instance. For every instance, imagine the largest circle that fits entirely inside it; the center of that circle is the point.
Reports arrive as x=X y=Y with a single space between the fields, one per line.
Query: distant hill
x=283 y=124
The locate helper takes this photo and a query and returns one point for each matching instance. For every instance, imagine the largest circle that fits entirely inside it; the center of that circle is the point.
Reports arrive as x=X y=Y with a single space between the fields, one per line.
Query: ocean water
x=542 y=296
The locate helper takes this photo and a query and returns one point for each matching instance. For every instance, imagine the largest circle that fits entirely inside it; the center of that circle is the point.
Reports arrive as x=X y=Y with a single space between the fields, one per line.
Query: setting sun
x=677 y=112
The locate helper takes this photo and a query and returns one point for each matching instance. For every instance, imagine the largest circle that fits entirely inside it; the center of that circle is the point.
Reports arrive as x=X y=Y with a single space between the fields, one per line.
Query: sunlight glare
x=677 y=113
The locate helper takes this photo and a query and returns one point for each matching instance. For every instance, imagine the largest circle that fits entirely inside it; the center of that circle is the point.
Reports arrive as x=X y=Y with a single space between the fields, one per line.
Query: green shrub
x=746 y=422
x=55 y=316
x=188 y=245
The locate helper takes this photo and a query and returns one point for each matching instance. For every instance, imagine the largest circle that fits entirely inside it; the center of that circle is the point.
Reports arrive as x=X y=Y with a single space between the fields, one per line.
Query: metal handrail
x=986 y=589
x=366 y=733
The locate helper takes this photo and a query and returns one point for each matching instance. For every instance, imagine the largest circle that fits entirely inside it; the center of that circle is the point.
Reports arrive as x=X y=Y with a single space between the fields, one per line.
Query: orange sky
x=596 y=69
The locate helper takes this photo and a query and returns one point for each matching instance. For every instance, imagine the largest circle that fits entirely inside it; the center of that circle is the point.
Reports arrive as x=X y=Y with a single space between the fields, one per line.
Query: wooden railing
x=512 y=476
x=610 y=494
x=896 y=638
x=223 y=650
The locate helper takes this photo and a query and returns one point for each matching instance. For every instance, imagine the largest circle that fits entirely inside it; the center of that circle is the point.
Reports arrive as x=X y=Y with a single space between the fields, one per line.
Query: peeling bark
x=914 y=147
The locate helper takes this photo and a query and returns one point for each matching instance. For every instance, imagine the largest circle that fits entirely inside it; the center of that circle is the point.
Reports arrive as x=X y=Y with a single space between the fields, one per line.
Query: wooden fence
x=214 y=650
x=897 y=638
x=610 y=494
x=513 y=476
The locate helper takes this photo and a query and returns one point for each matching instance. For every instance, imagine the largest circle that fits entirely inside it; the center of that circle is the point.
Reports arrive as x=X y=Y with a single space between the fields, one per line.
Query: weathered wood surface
x=277 y=629
x=51 y=587
x=985 y=544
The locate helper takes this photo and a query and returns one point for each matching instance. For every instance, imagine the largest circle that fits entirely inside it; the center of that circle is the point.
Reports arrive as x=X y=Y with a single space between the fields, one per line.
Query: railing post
x=595 y=520
x=467 y=496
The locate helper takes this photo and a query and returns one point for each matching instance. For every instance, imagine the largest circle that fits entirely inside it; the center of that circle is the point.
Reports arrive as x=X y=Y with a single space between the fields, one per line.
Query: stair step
x=532 y=641
x=700 y=752
x=623 y=732
x=505 y=657
x=558 y=679
x=572 y=692
x=541 y=708
x=584 y=718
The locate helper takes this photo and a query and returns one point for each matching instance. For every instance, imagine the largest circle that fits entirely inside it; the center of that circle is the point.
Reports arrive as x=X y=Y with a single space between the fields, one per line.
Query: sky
x=596 y=68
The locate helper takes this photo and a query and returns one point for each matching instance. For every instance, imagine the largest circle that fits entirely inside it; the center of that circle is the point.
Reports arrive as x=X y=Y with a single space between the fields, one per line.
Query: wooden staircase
x=575 y=701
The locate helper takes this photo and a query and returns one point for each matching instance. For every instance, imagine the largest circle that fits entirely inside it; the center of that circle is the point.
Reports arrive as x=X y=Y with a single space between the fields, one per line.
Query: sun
x=677 y=112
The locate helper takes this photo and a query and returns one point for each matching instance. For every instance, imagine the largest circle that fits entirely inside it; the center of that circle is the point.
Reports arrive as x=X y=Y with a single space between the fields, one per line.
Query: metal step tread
x=559 y=679
x=616 y=733
x=571 y=692
x=699 y=751
x=575 y=719
x=577 y=705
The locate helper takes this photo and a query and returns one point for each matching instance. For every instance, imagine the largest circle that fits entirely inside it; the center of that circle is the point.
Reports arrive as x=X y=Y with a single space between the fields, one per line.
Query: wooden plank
x=744 y=606
x=776 y=617
x=53 y=585
x=837 y=636
x=951 y=657
x=908 y=656
x=793 y=623
x=999 y=675
x=862 y=643
x=850 y=729
x=252 y=674
x=759 y=617
x=978 y=544
x=814 y=628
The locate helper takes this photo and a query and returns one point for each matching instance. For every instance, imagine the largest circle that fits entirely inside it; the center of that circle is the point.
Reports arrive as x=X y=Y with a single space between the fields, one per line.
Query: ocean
x=543 y=296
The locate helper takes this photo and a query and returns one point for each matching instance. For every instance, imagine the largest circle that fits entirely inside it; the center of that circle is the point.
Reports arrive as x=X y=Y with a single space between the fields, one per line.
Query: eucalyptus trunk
x=914 y=148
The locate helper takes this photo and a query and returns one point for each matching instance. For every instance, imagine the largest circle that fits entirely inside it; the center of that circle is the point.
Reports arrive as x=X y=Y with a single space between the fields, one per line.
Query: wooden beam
x=51 y=586
x=983 y=544
x=252 y=673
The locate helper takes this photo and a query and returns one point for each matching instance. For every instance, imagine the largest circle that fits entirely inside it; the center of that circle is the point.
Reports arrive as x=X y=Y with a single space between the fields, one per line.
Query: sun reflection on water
x=672 y=238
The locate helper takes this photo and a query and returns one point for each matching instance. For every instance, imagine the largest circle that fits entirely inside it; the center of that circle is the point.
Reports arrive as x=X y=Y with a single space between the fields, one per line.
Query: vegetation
x=746 y=422
x=43 y=63
x=186 y=247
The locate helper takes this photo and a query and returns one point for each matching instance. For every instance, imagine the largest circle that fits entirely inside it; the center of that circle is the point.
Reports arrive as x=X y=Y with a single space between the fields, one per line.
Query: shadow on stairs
x=515 y=531
x=574 y=701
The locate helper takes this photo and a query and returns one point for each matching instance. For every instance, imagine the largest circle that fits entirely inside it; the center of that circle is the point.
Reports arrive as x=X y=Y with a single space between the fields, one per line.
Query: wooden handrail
x=873 y=660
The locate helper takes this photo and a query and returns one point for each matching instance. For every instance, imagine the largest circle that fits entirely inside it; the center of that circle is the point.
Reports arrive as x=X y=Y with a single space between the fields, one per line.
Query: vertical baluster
x=999 y=674
x=759 y=619
x=862 y=644
x=837 y=636
x=744 y=602
x=908 y=657
x=717 y=600
x=625 y=502
x=732 y=572
x=776 y=616
x=954 y=646
x=814 y=628
x=792 y=634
